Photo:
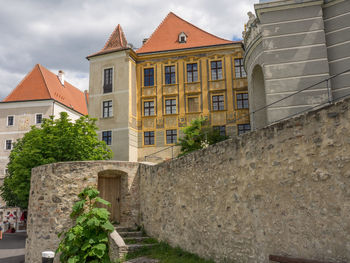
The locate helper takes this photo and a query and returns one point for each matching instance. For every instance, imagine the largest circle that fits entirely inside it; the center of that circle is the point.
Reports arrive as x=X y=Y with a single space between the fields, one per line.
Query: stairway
x=134 y=239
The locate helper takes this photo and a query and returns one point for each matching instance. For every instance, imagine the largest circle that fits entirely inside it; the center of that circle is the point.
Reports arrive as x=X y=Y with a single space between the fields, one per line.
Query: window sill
x=216 y=80
x=169 y=85
x=194 y=82
x=218 y=110
x=170 y=114
x=145 y=87
x=109 y=117
x=151 y=116
x=193 y=112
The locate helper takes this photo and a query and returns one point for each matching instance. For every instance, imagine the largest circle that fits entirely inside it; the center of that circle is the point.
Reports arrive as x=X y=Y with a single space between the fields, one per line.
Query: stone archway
x=258 y=100
x=110 y=186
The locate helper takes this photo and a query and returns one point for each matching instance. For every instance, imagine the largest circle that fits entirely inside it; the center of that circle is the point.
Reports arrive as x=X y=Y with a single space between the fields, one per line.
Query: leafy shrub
x=199 y=135
x=87 y=240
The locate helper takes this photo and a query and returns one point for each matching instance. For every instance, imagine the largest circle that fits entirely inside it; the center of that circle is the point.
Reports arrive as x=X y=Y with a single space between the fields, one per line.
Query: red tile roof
x=166 y=36
x=42 y=84
x=117 y=41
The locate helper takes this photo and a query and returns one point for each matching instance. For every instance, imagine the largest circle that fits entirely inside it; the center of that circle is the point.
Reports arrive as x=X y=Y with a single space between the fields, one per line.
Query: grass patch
x=167 y=254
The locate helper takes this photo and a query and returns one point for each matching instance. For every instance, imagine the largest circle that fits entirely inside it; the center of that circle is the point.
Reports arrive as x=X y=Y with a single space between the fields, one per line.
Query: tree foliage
x=87 y=240
x=56 y=140
x=199 y=135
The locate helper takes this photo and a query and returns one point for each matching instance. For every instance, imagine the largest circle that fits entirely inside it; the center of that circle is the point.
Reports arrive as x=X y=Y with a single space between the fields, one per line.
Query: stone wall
x=54 y=189
x=284 y=190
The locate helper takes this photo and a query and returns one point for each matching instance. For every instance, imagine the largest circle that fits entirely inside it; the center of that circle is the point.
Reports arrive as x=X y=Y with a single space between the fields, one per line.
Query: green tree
x=199 y=135
x=58 y=140
x=87 y=240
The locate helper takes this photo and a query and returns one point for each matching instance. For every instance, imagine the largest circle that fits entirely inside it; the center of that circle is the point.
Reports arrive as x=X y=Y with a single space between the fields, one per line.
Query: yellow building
x=143 y=98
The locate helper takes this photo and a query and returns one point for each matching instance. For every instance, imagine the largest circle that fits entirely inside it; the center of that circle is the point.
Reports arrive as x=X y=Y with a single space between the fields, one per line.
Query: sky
x=59 y=34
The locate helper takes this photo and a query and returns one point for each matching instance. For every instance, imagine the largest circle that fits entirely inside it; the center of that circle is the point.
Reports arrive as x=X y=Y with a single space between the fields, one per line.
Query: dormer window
x=182 y=37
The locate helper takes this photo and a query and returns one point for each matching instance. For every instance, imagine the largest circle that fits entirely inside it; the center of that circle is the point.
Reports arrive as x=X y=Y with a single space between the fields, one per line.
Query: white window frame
x=13 y=120
x=42 y=117
x=6 y=143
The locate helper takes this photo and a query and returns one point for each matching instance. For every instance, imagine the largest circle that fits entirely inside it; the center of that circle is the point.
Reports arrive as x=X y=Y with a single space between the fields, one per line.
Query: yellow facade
x=182 y=91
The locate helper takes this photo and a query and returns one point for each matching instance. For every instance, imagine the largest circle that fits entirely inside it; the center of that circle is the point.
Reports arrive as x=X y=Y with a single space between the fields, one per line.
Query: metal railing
x=328 y=101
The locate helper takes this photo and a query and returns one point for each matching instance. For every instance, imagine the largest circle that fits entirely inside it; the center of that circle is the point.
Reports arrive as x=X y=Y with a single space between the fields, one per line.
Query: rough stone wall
x=54 y=190
x=281 y=190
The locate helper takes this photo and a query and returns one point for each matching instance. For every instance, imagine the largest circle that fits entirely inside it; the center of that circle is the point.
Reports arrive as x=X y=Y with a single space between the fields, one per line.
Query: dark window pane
x=148 y=108
x=38 y=118
x=108 y=79
x=170 y=106
x=192 y=72
x=107 y=137
x=8 y=145
x=107 y=109
x=242 y=128
x=218 y=102
x=170 y=75
x=242 y=101
x=149 y=77
x=10 y=120
x=148 y=138
x=239 y=68
x=171 y=136
x=221 y=130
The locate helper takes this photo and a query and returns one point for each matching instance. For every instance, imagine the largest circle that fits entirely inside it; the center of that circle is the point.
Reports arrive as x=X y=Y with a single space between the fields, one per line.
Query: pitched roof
x=165 y=37
x=42 y=84
x=116 y=41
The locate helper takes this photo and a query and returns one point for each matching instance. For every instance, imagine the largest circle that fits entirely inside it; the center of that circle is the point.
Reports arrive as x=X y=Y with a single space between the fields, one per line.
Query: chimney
x=61 y=76
x=144 y=41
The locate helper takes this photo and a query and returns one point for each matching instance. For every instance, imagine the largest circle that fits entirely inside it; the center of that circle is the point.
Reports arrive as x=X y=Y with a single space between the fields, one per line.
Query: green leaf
x=108 y=227
x=102 y=201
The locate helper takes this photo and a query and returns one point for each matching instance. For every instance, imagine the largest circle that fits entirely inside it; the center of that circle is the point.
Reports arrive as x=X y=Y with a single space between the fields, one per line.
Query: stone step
x=130 y=234
x=134 y=247
x=142 y=260
x=138 y=239
x=124 y=229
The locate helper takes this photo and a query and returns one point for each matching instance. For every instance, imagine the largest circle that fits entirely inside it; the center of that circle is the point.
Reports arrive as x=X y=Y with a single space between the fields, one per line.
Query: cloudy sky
x=59 y=34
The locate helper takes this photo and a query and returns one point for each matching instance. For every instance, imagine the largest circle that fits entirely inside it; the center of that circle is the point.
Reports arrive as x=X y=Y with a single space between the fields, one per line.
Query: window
x=107 y=137
x=107 y=109
x=218 y=102
x=182 y=37
x=171 y=136
x=148 y=74
x=242 y=128
x=170 y=106
x=8 y=145
x=10 y=120
x=192 y=72
x=107 y=80
x=216 y=70
x=220 y=129
x=193 y=104
x=239 y=68
x=38 y=118
x=148 y=138
x=6 y=171
x=148 y=108
x=242 y=101
x=170 y=75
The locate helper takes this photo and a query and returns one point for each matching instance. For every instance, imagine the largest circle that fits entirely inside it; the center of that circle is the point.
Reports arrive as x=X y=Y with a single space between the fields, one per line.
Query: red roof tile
x=166 y=36
x=41 y=84
x=117 y=41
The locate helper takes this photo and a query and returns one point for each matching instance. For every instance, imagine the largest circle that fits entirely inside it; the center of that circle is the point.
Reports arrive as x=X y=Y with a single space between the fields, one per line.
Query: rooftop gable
x=166 y=36
x=41 y=84
x=116 y=41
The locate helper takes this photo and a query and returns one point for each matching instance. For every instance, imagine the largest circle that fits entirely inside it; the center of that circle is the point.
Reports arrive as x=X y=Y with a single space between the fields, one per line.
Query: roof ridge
x=39 y=66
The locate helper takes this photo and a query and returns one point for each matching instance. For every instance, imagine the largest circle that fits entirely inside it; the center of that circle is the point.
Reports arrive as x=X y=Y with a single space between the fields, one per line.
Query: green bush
x=87 y=240
x=199 y=135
